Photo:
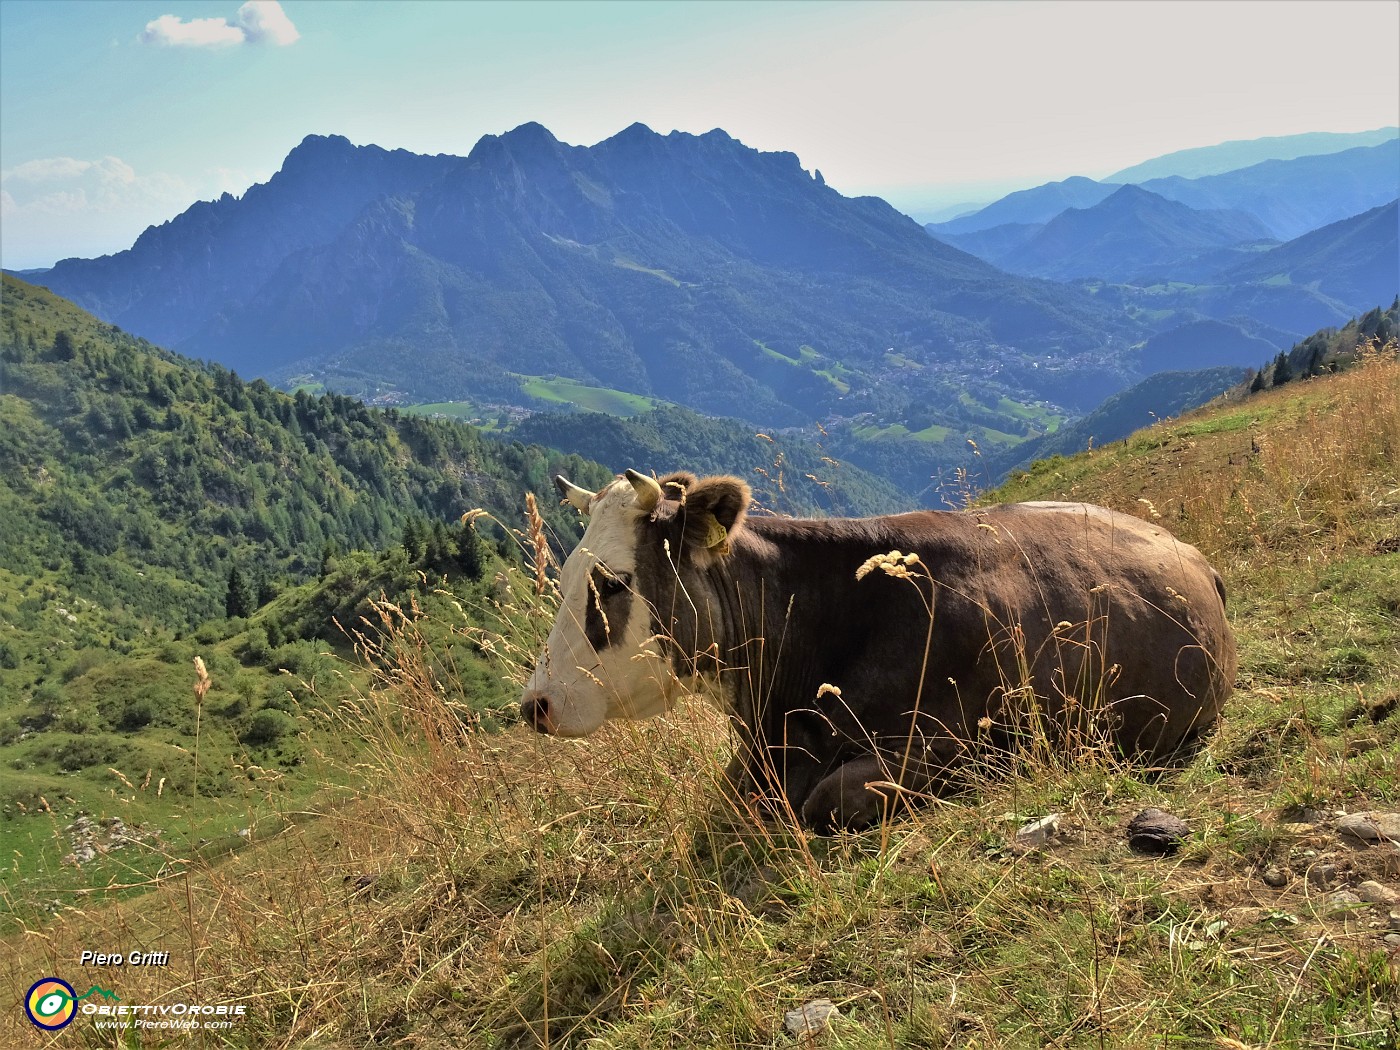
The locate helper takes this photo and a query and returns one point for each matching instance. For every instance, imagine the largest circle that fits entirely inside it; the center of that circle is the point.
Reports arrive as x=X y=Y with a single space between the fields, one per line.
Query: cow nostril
x=535 y=710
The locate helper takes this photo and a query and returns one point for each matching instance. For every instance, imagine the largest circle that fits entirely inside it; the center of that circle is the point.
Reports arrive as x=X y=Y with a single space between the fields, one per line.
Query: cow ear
x=714 y=511
x=674 y=486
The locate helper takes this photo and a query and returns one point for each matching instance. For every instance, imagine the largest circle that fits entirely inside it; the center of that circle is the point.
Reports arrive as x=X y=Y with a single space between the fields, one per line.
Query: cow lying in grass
x=869 y=660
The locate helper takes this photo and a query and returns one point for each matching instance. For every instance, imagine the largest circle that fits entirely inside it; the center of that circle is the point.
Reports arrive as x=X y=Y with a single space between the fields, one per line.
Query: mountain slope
x=1202 y=344
x=1230 y=156
x=514 y=860
x=208 y=259
x=993 y=243
x=686 y=267
x=1328 y=351
x=1193 y=365
x=1355 y=261
x=1158 y=397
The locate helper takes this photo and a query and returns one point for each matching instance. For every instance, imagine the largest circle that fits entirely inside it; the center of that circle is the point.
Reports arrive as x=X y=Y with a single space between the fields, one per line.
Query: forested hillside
x=143 y=478
x=1329 y=350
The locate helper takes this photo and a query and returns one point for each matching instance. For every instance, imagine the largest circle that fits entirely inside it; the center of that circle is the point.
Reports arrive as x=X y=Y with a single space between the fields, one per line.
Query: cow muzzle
x=534 y=708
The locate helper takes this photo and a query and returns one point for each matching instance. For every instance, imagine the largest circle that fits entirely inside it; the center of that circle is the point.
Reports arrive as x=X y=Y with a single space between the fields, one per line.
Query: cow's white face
x=600 y=661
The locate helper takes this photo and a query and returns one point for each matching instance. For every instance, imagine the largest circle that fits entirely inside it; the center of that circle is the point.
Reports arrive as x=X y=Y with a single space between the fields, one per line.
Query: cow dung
x=1157 y=832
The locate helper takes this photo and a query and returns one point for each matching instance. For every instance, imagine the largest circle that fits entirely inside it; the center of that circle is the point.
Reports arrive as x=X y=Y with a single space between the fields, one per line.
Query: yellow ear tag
x=716 y=536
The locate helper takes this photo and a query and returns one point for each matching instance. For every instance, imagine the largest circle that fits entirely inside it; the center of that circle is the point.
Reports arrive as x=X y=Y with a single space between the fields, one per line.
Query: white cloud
x=264 y=21
x=256 y=22
x=46 y=170
x=197 y=32
x=67 y=184
x=60 y=202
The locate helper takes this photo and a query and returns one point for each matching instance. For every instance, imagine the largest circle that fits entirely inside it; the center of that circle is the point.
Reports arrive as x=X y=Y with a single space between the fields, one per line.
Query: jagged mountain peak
x=673 y=265
x=317 y=151
x=323 y=143
x=526 y=143
x=530 y=135
x=635 y=132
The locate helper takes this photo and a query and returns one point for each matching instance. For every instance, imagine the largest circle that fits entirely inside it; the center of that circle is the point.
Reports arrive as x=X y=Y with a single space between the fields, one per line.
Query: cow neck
x=749 y=593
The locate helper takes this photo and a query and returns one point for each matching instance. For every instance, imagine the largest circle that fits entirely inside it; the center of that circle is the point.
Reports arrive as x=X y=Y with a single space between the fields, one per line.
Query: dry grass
x=1309 y=468
x=507 y=890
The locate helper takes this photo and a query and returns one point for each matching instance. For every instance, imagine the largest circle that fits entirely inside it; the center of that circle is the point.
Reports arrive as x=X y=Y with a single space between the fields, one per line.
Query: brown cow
x=849 y=669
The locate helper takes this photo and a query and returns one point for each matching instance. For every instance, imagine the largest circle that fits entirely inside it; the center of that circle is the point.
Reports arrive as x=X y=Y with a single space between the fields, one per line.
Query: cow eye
x=610 y=583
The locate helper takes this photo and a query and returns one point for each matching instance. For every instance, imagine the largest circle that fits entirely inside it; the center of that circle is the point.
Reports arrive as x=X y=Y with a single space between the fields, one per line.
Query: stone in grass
x=1342 y=901
x=811 y=1018
x=1156 y=832
x=1373 y=892
x=1038 y=832
x=1370 y=827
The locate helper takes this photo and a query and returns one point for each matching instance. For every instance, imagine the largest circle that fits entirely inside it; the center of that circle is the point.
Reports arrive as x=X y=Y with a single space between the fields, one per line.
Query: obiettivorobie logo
x=52 y=1003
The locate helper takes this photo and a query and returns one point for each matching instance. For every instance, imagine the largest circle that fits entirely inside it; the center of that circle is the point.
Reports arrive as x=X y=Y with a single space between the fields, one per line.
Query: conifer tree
x=413 y=540
x=239 y=599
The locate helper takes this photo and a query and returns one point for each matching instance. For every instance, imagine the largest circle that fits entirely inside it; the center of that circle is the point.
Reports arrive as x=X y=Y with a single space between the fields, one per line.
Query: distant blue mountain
x=1130 y=230
x=1231 y=156
x=995 y=244
x=1292 y=197
x=1037 y=205
x=1203 y=344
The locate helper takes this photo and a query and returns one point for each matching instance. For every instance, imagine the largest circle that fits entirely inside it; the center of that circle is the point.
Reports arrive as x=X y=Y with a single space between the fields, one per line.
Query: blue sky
x=116 y=114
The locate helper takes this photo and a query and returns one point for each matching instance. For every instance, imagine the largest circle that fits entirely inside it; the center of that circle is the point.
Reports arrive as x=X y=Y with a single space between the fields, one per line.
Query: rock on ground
x=1370 y=827
x=811 y=1018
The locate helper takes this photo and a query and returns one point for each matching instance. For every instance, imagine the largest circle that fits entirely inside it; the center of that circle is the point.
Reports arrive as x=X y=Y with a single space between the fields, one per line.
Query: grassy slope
x=555 y=391
x=506 y=890
x=562 y=391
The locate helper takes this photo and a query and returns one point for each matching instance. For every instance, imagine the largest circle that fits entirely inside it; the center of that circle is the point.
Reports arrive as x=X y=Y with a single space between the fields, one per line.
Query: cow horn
x=648 y=490
x=579 y=497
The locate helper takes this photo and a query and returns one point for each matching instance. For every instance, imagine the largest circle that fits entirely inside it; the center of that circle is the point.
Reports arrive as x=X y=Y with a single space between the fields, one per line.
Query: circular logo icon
x=51 y=1003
